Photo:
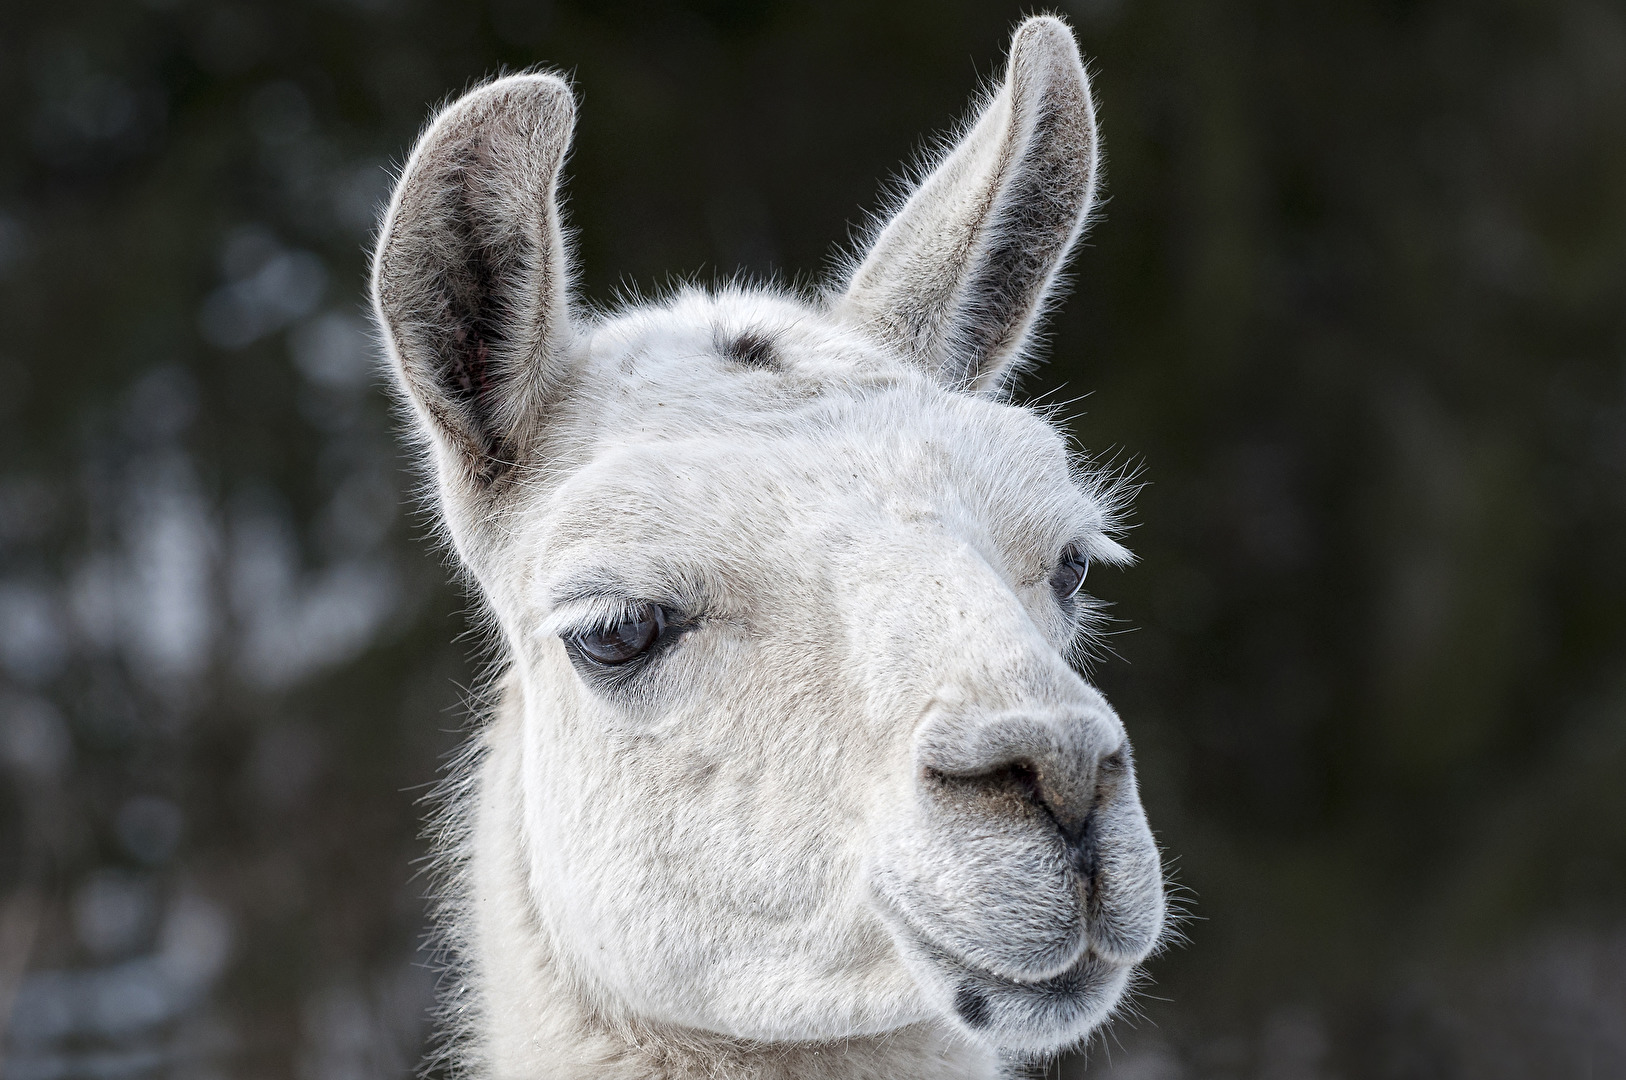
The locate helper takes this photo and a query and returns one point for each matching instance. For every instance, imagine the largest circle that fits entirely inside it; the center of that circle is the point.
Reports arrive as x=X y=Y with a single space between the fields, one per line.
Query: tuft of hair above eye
x=752 y=350
x=1068 y=577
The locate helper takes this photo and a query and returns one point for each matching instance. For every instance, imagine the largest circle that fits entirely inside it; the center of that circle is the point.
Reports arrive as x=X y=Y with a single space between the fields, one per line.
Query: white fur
x=818 y=835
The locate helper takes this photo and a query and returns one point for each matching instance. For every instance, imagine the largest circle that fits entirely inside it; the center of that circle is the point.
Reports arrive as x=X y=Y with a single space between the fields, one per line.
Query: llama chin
x=789 y=771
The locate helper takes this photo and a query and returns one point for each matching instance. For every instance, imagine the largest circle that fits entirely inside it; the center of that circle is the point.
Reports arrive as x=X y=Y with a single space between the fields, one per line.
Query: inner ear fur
x=471 y=274
x=959 y=276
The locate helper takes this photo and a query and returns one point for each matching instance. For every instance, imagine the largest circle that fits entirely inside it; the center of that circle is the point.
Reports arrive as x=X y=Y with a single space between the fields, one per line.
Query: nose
x=1062 y=769
x=1067 y=792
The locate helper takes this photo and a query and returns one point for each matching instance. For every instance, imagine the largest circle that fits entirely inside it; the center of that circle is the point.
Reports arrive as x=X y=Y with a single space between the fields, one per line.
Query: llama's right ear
x=958 y=278
x=471 y=276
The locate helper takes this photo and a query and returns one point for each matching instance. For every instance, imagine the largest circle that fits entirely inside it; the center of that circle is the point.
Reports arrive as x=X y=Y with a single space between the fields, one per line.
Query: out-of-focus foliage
x=1357 y=305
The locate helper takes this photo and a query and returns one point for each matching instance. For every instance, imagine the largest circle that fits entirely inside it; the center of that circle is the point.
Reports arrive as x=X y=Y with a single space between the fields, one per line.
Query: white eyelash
x=586 y=613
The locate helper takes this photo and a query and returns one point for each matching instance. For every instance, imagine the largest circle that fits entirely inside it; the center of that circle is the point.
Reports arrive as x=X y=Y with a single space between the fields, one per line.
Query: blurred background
x=1357 y=307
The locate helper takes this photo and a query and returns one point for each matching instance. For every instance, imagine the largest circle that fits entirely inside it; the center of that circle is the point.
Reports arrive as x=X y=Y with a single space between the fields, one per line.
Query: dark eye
x=626 y=640
x=1068 y=576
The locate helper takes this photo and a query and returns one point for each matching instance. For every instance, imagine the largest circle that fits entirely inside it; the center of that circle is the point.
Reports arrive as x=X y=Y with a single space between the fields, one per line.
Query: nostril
x=1063 y=789
x=1051 y=782
x=1030 y=784
x=1020 y=776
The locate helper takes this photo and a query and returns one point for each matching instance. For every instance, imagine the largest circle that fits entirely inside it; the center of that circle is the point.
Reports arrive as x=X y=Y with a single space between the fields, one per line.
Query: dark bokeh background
x=1357 y=306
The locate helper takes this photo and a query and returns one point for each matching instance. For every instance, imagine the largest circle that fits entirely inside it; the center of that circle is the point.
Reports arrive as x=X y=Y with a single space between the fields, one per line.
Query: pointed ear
x=471 y=277
x=959 y=276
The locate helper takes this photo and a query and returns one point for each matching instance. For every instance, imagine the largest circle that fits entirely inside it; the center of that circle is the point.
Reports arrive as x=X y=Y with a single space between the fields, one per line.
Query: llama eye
x=626 y=640
x=1068 y=576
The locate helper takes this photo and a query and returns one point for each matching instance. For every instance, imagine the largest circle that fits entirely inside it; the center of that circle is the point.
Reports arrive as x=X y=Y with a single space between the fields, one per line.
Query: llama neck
x=528 y=1022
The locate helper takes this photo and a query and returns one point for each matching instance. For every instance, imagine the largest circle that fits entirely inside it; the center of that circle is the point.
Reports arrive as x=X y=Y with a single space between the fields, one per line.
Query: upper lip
x=895 y=912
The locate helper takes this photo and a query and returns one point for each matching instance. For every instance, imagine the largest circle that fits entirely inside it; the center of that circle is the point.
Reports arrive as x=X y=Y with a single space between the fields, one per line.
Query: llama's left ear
x=471 y=276
x=959 y=276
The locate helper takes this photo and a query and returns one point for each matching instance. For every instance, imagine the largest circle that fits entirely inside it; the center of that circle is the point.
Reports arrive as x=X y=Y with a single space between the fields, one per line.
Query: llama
x=788 y=771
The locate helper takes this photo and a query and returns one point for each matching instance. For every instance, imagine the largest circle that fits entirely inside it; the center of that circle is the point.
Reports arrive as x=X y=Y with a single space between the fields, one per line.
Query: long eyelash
x=1088 y=645
x=577 y=615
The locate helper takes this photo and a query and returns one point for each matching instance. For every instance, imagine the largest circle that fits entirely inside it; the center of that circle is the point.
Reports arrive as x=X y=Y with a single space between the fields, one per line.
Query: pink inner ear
x=471 y=273
x=958 y=279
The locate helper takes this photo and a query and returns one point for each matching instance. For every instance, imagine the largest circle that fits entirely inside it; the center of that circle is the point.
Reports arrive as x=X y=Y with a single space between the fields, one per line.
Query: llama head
x=789 y=594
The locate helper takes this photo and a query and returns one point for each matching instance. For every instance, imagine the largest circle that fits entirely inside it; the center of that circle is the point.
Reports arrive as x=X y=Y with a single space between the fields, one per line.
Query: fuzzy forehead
x=689 y=348
x=691 y=448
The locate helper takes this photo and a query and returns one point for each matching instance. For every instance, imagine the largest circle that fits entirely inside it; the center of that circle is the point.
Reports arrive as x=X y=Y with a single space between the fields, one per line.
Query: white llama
x=789 y=774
